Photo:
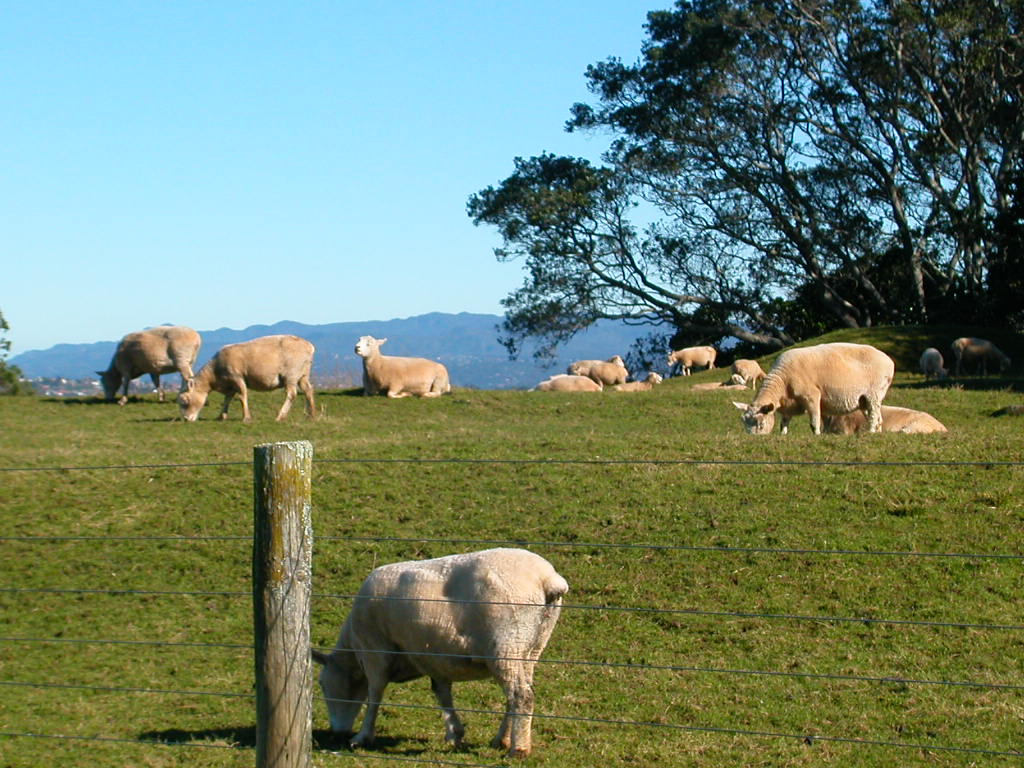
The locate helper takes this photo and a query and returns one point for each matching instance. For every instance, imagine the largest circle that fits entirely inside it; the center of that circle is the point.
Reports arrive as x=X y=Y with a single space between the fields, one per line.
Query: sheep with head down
x=606 y=372
x=821 y=380
x=399 y=376
x=931 y=364
x=744 y=371
x=460 y=617
x=692 y=357
x=166 y=349
x=979 y=352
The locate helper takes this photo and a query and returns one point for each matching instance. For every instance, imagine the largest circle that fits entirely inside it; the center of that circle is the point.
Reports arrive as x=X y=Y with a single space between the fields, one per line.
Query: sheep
x=460 y=617
x=563 y=382
x=822 y=380
x=640 y=386
x=608 y=372
x=399 y=376
x=263 y=364
x=931 y=364
x=747 y=370
x=167 y=349
x=894 y=419
x=979 y=352
x=690 y=357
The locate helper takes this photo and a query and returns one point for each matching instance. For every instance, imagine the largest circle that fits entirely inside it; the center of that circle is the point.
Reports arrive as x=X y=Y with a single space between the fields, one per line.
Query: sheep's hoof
x=361 y=740
x=519 y=752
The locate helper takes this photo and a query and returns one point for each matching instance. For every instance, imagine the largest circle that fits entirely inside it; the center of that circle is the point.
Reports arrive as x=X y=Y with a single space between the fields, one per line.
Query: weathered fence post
x=281 y=566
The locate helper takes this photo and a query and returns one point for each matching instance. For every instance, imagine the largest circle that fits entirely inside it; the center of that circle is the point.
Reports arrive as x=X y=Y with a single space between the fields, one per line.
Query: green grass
x=715 y=593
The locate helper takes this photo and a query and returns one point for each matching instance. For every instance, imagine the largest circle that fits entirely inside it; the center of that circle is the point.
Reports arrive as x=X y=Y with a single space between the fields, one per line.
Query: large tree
x=777 y=166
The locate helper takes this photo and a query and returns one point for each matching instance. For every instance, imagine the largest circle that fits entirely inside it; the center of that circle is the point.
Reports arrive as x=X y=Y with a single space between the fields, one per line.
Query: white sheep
x=563 y=382
x=263 y=364
x=461 y=617
x=979 y=352
x=744 y=371
x=692 y=357
x=167 y=349
x=647 y=384
x=894 y=419
x=399 y=376
x=822 y=380
x=931 y=363
x=607 y=372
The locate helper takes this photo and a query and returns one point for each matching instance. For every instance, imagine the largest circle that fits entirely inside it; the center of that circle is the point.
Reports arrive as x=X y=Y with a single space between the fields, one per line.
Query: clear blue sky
x=223 y=164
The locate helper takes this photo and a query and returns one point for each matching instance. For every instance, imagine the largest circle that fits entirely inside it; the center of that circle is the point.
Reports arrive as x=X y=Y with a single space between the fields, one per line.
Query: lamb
x=823 y=380
x=980 y=352
x=640 y=386
x=931 y=364
x=563 y=382
x=167 y=349
x=747 y=370
x=263 y=364
x=460 y=617
x=894 y=419
x=692 y=357
x=399 y=376
x=607 y=372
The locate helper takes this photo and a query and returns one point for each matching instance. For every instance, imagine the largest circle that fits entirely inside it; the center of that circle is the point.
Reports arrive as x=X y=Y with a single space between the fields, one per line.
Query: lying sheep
x=823 y=380
x=979 y=352
x=894 y=419
x=640 y=386
x=399 y=376
x=167 y=349
x=461 y=617
x=607 y=372
x=563 y=382
x=692 y=357
x=263 y=364
x=931 y=364
x=744 y=371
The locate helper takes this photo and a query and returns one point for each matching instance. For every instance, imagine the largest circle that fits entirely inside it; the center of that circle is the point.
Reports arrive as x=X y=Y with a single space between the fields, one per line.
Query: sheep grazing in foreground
x=167 y=349
x=649 y=383
x=744 y=371
x=607 y=372
x=978 y=352
x=822 y=380
x=563 y=382
x=931 y=363
x=692 y=357
x=461 y=617
x=399 y=376
x=894 y=419
x=263 y=364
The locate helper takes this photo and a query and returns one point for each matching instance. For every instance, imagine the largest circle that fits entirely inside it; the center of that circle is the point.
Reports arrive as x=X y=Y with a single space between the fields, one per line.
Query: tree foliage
x=10 y=375
x=779 y=167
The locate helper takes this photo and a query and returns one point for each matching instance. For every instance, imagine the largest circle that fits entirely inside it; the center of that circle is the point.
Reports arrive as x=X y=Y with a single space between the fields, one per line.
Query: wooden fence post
x=281 y=565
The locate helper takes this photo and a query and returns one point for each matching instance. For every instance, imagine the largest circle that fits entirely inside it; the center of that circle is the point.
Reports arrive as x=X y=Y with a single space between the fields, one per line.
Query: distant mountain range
x=466 y=343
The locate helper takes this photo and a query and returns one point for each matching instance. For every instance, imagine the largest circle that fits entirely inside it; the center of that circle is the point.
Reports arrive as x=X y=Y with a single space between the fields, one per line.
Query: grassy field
x=791 y=600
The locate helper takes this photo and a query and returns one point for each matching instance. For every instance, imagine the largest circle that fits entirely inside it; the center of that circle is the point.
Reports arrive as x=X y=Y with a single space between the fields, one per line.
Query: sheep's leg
x=307 y=391
x=397 y=393
x=453 y=728
x=374 y=696
x=155 y=378
x=514 y=734
x=126 y=378
x=227 y=403
x=288 y=398
x=873 y=413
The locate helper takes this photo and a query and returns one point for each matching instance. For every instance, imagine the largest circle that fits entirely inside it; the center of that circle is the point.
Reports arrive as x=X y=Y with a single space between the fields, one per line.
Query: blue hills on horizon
x=466 y=343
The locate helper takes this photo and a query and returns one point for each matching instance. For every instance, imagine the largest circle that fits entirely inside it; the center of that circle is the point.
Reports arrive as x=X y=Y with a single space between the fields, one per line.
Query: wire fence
x=641 y=668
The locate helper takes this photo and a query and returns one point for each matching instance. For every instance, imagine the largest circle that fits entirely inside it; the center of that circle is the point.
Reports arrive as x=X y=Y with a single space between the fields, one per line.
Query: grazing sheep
x=399 y=376
x=894 y=419
x=263 y=364
x=563 y=382
x=979 y=352
x=822 y=380
x=692 y=357
x=607 y=372
x=461 y=617
x=640 y=386
x=931 y=364
x=747 y=370
x=167 y=349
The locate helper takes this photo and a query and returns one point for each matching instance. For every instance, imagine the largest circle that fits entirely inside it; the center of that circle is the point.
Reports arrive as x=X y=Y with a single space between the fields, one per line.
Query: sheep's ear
x=767 y=408
x=741 y=406
x=320 y=657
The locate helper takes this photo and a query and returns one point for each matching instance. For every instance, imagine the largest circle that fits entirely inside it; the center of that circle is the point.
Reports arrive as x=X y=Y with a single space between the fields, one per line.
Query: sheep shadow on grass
x=244 y=737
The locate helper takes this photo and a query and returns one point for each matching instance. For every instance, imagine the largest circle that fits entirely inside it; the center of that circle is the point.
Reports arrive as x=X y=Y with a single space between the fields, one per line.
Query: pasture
x=791 y=600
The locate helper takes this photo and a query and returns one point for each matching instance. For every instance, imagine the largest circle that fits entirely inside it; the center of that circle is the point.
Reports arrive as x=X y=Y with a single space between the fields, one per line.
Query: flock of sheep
x=840 y=386
x=491 y=613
